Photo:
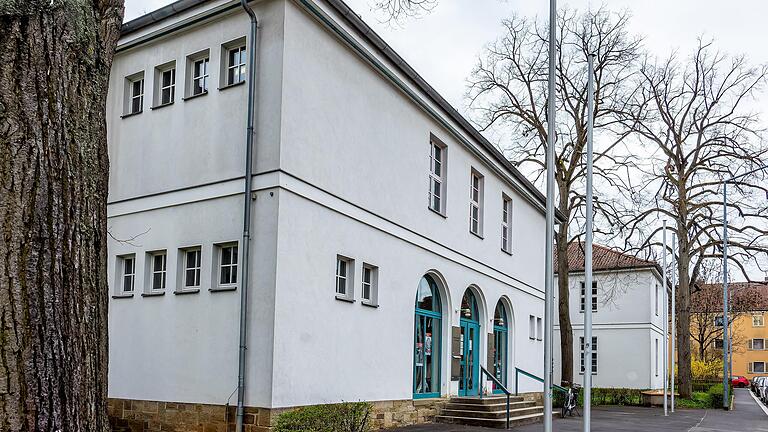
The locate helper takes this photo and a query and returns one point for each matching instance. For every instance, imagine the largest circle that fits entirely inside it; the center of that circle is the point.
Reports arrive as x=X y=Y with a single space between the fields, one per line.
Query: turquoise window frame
x=437 y=322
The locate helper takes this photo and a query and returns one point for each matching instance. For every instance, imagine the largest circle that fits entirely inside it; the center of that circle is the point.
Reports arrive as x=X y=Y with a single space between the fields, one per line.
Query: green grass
x=697 y=400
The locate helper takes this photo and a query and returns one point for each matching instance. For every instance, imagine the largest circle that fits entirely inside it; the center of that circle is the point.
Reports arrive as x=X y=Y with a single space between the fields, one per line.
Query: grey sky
x=443 y=45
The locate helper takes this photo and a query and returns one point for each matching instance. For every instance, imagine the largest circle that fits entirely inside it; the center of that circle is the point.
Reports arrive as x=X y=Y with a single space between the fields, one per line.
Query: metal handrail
x=501 y=387
x=519 y=371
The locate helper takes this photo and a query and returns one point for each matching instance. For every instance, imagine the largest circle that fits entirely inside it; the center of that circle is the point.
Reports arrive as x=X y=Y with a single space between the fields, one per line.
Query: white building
x=367 y=188
x=628 y=306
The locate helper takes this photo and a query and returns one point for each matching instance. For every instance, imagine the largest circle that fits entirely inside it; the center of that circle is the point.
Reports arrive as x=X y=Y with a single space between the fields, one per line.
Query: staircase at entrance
x=490 y=411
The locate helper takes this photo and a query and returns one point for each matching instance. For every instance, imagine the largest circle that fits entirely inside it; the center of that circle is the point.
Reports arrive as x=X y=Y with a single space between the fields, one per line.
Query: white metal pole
x=588 y=251
x=726 y=403
x=664 y=314
x=674 y=314
x=549 y=277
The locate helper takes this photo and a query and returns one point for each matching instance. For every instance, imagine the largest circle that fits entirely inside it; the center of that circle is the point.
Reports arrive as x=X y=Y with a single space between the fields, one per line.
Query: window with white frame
x=476 y=203
x=594 y=354
x=593 y=297
x=197 y=74
x=757 y=320
x=344 y=277
x=657 y=356
x=506 y=224
x=370 y=282
x=757 y=367
x=532 y=327
x=134 y=91
x=235 y=65
x=226 y=265
x=657 y=299
x=192 y=260
x=539 y=328
x=127 y=268
x=158 y=270
x=167 y=86
x=437 y=175
x=757 y=344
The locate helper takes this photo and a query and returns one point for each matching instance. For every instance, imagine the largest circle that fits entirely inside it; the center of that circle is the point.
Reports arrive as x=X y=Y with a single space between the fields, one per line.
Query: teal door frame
x=470 y=374
x=501 y=346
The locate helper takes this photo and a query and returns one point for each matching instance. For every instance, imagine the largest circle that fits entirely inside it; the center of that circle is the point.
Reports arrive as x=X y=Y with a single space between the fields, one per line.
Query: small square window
x=757 y=344
x=126 y=271
x=197 y=74
x=236 y=65
x=345 y=270
x=227 y=266
x=757 y=320
x=757 y=367
x=157 y=270
x=191 y=268
x=370 y=285
x=165 y=85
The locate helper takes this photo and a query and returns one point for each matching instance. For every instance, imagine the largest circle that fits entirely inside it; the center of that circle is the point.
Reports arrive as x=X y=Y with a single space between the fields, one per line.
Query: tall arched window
x=469 y=349
x=500 y=343
x=426 y=349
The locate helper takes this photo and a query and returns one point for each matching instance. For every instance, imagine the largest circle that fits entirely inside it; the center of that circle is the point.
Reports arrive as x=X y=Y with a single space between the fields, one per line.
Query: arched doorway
x=427 y=331
x=500 y=345
x=469 y=346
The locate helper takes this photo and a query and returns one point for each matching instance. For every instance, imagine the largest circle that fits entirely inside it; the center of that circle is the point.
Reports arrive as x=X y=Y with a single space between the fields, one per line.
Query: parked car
x=739 y=381
x=754 y=385
x=762 y=389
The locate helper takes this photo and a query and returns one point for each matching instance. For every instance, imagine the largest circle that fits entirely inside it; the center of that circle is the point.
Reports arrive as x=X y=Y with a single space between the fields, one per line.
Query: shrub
x=343 y=417
x=697 y=400
x=716 y=395
x=703 y=370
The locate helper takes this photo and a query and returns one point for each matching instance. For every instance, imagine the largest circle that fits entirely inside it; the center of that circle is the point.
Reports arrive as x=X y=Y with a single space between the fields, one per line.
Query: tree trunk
x=566 y=330
x=54 y=71
x=683 y=306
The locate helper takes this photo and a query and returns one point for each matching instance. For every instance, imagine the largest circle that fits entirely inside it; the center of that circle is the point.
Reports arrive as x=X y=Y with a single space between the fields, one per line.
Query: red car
x=739 y=381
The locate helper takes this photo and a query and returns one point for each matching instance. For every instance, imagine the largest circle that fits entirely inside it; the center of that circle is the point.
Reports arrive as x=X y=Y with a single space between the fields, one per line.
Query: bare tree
x=397 y=10
x=508 y=92
x=54 y=71
x=694 y=122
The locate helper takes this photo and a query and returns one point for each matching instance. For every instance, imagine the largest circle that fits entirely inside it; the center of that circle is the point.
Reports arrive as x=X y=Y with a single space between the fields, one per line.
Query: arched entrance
x=469 y=346
x=427 y=331
x=500 y=344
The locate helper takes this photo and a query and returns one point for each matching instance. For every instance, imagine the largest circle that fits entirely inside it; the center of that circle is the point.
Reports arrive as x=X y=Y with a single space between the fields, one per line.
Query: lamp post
x=726 y=342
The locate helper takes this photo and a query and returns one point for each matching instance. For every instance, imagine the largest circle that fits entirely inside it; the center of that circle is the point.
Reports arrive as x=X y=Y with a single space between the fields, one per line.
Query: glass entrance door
x=470 y=359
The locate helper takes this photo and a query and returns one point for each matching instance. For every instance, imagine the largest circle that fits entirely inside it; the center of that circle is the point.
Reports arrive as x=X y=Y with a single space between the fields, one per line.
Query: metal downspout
x=246 y=217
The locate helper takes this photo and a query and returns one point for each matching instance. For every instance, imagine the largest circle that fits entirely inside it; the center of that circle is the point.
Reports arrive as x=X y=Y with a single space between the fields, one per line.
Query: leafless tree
x=55 y=59
x=508 y=93
x=397 y=10
x=693 y=120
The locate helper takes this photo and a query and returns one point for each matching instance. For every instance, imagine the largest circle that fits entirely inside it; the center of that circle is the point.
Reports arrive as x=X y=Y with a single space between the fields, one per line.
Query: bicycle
x=569 y=405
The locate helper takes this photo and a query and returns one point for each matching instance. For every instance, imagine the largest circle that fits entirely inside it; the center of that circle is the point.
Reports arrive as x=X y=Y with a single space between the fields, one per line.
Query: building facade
x=394 y=251
x=627 y=303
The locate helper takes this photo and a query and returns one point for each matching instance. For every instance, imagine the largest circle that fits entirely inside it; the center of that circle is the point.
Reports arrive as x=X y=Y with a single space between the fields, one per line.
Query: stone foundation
x=127 y=415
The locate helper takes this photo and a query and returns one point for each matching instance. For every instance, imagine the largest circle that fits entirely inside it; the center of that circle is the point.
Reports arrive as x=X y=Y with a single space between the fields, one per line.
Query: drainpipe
x=246 y=217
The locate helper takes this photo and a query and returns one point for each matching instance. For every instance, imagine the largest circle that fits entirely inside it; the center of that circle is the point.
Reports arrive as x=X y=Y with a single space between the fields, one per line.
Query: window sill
x=223 y=288
x=194 y=96
x=476 y=235
x=345 y=299
x=156 y=107
x=131 y=114
x=123 y=296
x=441 y=214
x=506 y=251
x=187 y=291
x=229 y=86
x=153 y=294
x=369 y=304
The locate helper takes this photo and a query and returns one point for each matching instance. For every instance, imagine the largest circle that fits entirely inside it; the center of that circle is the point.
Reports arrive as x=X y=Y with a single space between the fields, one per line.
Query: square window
x=134 y=94
x=157 y=270
x=344 y=277
x=757 y=320
x=758 y=367
x=197 y=74
x=476 y=203
x=437 y=175
x=227 y=265
x=126 y=274
x=236 y=65
x=370 y=285
x=757 y=344
x=191 y=259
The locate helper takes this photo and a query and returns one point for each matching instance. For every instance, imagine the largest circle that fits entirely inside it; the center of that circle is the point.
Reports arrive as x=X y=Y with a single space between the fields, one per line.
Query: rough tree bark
x=54 y=70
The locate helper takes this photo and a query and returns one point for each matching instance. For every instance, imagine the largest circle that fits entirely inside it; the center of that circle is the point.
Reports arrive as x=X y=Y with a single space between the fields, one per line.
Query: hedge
x=343 y=417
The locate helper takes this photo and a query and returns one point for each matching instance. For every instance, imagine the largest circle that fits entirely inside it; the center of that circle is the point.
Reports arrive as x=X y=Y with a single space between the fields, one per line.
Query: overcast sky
x=443 y=45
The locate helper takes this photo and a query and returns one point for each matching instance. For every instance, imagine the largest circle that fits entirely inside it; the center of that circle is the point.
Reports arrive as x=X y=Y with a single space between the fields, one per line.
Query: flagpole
x=549 y=278
x=588 y=250
x=664 y=314
x=674 y=313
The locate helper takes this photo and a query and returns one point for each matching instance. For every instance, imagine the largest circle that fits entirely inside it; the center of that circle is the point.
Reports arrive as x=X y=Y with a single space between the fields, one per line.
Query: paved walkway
x=746 y=416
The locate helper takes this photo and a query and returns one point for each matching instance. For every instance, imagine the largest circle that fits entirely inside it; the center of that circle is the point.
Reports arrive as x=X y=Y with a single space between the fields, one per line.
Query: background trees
x=693 y=118
x=54 y=72
x=508 y=92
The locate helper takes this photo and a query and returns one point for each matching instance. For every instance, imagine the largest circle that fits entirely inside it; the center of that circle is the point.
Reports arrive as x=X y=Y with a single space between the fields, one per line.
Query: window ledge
x=187 y=291
x=229 y=86
x=194 y=96
x=345 y=299
x=441 y=214
x=476 y=235
x=156 y=107
x=131 y=114
x=369 y=304
x=223 y=288
x=153 y=294
x=506 y=251
x=122 y=296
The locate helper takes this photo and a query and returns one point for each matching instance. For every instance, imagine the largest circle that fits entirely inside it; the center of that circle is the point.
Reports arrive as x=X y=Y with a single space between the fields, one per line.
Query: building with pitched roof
x=627 y=303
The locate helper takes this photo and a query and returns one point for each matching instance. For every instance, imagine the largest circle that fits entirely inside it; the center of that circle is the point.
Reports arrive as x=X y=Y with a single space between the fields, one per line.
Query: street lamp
x=725 y=282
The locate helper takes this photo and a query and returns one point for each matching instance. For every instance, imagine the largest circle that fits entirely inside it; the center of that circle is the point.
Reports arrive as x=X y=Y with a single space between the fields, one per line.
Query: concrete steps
x=490 y=412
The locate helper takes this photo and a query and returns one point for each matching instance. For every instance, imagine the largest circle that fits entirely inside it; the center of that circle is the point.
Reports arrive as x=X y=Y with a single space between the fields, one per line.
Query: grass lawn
x=697 y=400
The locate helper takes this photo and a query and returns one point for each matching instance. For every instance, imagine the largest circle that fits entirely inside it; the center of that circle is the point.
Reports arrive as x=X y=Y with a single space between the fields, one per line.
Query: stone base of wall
x=127 y=415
